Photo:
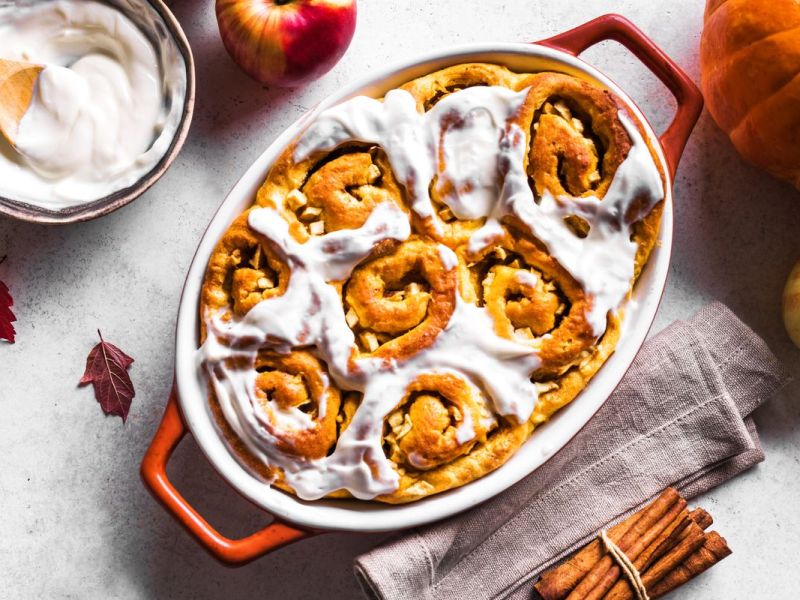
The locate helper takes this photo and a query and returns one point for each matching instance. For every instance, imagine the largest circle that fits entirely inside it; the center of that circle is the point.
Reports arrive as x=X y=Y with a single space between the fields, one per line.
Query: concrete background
x=76 y=521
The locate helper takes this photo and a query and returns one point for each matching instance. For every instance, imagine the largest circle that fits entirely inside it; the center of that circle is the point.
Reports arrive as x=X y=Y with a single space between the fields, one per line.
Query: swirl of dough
x=440 y=418
x=299 y=406
x=399 y=301
x=330 y=191
x=347 y=189
x=533 y=300
x=577 y=140
x=242 y=271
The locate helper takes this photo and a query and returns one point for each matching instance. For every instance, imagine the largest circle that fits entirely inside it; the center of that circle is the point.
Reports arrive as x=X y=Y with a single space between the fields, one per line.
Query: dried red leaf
x=6 y=316
x=107 y=369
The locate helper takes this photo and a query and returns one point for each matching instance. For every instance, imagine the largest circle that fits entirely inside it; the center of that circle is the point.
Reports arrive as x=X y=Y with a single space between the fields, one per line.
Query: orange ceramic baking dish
x=187 y=409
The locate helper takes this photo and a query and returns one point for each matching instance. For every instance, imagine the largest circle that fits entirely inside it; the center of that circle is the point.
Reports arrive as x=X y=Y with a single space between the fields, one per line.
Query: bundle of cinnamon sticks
x=666 y=542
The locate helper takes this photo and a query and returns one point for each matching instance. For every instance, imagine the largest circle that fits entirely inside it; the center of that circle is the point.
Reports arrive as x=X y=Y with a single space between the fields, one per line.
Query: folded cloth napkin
x=680 y=417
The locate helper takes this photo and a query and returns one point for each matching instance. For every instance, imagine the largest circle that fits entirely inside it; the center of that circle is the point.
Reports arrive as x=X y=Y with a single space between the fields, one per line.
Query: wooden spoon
x=17 y=82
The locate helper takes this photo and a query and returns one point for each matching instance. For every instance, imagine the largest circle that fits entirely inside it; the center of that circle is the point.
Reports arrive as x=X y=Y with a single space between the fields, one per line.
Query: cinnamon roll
x=426 y=278
x=297 y=406
x=441 y=417
x=399 y=301
x=533 y=300
x=331 y=190
x=242 y=271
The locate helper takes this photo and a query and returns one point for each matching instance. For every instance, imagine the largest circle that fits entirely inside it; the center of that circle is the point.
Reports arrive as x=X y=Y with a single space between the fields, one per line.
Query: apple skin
x=286 y=42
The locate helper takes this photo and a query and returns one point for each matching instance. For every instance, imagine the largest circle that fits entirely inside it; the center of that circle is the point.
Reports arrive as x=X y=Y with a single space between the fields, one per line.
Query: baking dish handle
x=154 y=473
x=618 y=28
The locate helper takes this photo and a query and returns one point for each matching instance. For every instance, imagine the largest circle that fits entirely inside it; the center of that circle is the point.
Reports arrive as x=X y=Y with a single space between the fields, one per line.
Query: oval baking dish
x=187 y=408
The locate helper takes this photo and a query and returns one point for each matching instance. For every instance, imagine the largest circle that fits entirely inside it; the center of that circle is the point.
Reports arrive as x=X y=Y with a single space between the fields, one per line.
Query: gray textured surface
x=74 y=518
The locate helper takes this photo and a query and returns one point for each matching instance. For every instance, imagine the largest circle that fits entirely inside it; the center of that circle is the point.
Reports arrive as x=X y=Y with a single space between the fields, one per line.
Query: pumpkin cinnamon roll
x=331 y=191
x=441 y=428
x=452 y=223
x=243 y=271
x=298 y=406
x=532 y=300
x=577 y=142
x=424 y=279
x=440 y=418
x=398 y=302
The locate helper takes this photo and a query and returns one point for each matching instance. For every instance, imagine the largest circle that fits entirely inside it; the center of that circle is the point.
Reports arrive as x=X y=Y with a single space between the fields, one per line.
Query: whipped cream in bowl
x=110 y=109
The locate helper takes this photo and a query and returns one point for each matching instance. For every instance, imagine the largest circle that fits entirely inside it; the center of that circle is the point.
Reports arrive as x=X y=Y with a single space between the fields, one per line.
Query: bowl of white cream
x=109 y=112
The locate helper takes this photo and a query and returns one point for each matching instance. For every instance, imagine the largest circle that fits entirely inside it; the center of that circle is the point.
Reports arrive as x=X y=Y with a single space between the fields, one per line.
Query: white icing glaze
x=448 y=257
x=288 y=419
x=526 y=278
x=486 y=180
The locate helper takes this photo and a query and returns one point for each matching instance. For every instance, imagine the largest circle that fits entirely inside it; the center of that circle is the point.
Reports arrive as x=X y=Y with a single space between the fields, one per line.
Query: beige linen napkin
x=680 y=417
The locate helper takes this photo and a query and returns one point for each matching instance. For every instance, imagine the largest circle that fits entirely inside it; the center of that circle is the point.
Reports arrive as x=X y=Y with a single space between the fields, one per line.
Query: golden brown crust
x=399 y=298
x=430 y=89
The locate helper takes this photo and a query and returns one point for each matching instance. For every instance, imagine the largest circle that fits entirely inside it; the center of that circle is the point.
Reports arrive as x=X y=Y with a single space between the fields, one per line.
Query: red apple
x=286 y=42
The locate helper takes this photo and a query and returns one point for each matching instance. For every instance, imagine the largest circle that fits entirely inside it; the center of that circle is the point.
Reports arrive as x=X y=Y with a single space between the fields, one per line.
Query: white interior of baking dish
x=546 y=440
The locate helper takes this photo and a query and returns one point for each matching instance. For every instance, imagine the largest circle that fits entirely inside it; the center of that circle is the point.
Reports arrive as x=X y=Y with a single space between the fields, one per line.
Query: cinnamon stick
x=557 y=583
x=692 y=539
x=713 y=550
x=701 y=517
x=668 y=540
x=664 y=541
x=607 y=572
x=658 y=548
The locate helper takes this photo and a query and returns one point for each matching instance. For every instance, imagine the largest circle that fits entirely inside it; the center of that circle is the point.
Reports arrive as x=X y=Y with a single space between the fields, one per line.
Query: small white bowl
x=158 y=23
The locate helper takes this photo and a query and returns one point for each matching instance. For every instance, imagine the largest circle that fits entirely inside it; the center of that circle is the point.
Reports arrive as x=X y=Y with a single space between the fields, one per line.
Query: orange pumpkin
x=750 y=74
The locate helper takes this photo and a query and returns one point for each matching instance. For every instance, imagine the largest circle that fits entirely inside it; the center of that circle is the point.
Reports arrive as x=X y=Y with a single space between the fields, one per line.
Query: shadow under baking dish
x=357 y=515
